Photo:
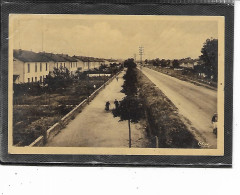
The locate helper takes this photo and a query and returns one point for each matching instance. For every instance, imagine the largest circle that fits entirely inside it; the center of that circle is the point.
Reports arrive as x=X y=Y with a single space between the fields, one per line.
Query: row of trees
x=130 y=107
x=207 y=63
x=163 y=62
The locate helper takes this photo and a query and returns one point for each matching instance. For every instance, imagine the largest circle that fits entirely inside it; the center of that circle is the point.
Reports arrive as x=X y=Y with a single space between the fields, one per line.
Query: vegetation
x=38 y=106
x=175 y=63
x=162 y=117
x=130 y=107
x=205 y=71
x=144 y=101
x=209 y=58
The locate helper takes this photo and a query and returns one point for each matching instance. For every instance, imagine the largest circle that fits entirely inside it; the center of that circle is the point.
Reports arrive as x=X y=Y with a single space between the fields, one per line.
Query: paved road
x=94 y=127
x=196 y=103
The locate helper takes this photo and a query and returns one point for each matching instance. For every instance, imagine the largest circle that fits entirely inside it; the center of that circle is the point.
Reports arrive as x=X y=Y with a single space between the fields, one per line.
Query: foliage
x=162 y=117
x=81 y=75
x=129 y=63
x=130 y=107
x=130 y=83
x=209 y=58
x=27 y=89
x=163 y=63
x=102 y=67
x=175 y=63
x=59 y=78
x=156 y=62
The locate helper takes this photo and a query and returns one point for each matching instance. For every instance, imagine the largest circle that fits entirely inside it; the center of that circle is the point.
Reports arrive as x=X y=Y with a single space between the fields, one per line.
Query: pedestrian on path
x=117 y=79
x=116 y=104
x=107 y=105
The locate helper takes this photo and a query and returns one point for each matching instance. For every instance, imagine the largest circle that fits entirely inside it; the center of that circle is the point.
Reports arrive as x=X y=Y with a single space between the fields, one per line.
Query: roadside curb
x=57 y=127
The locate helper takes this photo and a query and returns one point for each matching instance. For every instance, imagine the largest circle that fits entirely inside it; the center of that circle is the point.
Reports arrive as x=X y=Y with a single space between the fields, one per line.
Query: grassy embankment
x=36 y=111
x=162 y=117
x=186 y=75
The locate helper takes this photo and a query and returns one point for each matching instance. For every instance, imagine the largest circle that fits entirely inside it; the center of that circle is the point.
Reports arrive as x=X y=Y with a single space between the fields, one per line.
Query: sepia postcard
x=116 y=84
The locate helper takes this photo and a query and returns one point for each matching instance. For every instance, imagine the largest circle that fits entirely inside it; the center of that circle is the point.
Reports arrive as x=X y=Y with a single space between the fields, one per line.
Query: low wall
x=56 y=128
x=38 y=142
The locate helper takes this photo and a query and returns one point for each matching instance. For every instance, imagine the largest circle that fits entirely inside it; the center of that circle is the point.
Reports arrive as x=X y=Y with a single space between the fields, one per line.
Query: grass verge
x=162 y=117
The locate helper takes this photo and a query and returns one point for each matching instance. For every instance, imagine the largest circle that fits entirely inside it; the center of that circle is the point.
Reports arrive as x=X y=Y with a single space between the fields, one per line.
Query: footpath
x=95 y=127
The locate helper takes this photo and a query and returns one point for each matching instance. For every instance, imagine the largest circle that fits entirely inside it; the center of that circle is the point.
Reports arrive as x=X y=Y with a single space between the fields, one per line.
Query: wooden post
x=129 y=127
x=157 y=142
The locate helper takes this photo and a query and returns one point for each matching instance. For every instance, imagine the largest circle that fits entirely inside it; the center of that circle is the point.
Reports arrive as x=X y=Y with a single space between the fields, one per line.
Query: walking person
x=116 y=104
x=107 y=105
x=117 y=79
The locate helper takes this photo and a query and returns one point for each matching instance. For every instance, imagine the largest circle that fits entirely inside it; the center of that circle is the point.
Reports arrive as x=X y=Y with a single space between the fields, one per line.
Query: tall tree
x=209 y=58
x=129 y=63
x=156 y=62
x=163 y=63
x=175 y=63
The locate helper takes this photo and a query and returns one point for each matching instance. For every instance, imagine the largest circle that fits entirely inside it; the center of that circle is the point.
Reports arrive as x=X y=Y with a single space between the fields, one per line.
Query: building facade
x=29 y=66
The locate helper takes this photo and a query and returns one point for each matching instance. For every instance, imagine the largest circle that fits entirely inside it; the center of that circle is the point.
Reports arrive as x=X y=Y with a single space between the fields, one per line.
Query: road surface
x=196 y=103
x=95 y=127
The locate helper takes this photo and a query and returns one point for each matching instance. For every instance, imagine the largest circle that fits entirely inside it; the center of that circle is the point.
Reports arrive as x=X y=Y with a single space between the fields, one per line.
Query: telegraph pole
x=141 y=51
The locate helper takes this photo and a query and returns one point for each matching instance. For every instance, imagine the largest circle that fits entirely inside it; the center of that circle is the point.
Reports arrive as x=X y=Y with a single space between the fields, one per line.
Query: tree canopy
x=129 y=63
x=209 y=58
x=175 y=63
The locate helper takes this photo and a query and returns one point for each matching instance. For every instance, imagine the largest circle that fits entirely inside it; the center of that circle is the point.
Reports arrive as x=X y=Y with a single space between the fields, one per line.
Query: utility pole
x=141 y=51
x=129 y=131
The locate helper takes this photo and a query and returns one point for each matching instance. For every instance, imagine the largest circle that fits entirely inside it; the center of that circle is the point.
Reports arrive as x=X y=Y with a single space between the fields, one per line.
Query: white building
x=71 y=63
x=29 y=66
x=55 y=61
x=188 y=63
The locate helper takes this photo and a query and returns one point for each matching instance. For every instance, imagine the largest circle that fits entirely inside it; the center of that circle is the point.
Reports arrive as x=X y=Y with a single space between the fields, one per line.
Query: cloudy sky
x=113 y=36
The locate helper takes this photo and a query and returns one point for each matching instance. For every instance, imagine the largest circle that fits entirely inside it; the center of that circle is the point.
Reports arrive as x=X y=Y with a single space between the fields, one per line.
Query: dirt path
x=94 y=127
x=195 y=103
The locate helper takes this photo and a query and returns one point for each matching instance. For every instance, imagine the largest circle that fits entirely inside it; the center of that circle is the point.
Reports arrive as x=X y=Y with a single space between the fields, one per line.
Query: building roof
x=87 y=59
x=29 y=56
x=54 y=57
x=81 y=58
x=67 y=57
